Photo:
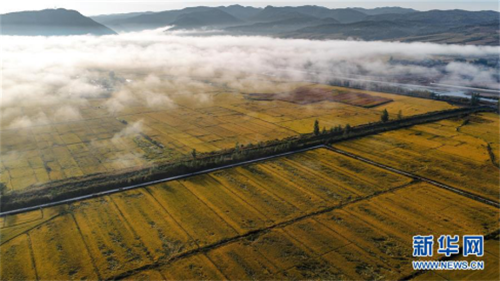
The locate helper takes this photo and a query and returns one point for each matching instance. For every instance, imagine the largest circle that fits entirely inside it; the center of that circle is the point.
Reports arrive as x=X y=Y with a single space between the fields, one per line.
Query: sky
x=92 y=7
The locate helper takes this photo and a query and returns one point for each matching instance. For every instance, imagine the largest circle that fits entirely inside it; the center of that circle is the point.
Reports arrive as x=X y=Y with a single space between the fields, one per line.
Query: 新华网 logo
x=448 y=245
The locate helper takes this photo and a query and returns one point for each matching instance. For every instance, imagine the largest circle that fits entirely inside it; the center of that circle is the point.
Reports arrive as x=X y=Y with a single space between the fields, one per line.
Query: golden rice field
x=313 y=215
x=452 y=151
x=138 y=135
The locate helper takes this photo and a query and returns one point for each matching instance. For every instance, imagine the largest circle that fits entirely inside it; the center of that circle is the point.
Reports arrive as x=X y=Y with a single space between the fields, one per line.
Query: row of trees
x=197 y=162
x=384 y=118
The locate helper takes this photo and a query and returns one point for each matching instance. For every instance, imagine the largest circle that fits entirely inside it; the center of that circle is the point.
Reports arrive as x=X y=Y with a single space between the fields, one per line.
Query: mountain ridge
x=51 y=22
x=306 y=22
x=437 y=25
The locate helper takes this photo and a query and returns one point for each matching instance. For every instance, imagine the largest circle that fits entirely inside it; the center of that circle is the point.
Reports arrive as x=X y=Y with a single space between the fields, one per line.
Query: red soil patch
x=308 y=95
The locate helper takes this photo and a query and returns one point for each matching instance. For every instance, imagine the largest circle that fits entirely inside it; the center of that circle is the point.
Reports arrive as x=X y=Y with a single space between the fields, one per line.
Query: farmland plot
x=58 y=257
x=313 y=215
x=103 y=142
x=365 y=240
x=161 y=234
x=199 y=221
x=116 y=247
x=14 y=225
x=456 y=152
x=119 y=233
x=17 y=261
x=197 y=267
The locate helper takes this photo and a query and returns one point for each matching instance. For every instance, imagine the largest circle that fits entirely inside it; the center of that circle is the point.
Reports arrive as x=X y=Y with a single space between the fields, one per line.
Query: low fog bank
x=153 y=68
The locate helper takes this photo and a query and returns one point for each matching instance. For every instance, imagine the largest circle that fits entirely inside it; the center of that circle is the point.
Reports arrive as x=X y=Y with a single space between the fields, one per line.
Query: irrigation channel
x=345 y=153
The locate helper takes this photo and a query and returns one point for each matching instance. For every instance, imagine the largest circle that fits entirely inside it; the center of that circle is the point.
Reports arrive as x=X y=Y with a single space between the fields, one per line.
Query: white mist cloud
x=464 y=74
x=67 y=113
x=162 y=67
x=131 y=129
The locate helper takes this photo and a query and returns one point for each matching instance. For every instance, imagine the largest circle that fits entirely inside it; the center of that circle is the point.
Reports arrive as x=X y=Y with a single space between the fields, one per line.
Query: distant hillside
x=341 y=15
x=50 y=22
x=316 y=22
x=188 y=18
x=193 y=18
x=211 y=17
x=153 y=20
x=454 y=26
x=280 y=26
x=366 y=30
x=484 y=34
x=275 y=20
x=271 y=13
x=384 y=10
x=109 y=19
x=240 y=12
x=441 y=18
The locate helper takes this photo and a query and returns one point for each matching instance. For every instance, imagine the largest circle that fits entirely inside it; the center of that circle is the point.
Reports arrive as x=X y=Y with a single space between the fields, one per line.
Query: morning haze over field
x=247 y=141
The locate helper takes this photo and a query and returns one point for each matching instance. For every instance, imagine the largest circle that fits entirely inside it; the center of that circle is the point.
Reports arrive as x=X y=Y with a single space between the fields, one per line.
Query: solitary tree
x=385 y=116
x=400 y=115
x=474 y=99
x=316 y=127
x=347 y=130
x=193 y=153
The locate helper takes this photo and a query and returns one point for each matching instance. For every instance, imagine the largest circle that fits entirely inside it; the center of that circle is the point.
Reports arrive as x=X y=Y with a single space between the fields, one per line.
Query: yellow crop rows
x=17 y=259
x=297 y=214
x=160 y=233
x=271 y=206
x=13 y=226
x=197 y=267
x=67 y=255
x=199 y=221
x=237 y=259
x=232 y=209
x=454 y=152
x=113 y=244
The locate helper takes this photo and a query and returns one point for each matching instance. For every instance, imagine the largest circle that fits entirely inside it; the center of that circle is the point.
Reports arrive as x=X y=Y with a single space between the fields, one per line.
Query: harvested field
x=162 y=235
x=362 y=241
x=197 y=219
x=197 y=267
x=15 y=225
x=313 y=215
x=17 y=259
x=114 y=248
x=307 y=95
x=60 y=256
x=454 y=152
x=407 y=105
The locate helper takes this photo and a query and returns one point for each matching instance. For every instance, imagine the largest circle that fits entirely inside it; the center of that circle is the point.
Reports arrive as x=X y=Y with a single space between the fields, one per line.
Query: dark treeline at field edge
x=66 y=189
